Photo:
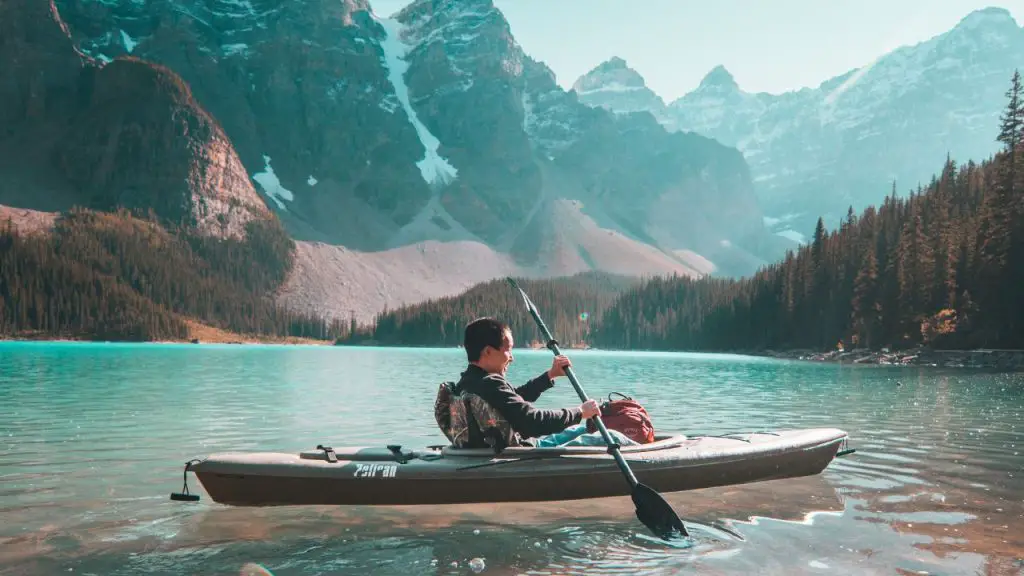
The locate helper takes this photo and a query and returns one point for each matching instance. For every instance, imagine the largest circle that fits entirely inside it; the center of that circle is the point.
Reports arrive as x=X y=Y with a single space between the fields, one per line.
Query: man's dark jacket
x=515 y=405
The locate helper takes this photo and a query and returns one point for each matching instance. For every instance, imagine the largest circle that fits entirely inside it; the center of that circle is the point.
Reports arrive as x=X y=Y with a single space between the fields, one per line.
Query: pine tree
x=941 y=232
x=1014 y=117
x=1012 y=125
x=865 y=308
x=818 y=287
x=818 y=245
x=997 y=234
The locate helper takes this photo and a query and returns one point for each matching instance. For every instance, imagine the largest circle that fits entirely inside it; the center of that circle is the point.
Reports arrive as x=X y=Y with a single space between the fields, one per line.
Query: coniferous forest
x=123 y=276
x=568 y=306
x=943 y=267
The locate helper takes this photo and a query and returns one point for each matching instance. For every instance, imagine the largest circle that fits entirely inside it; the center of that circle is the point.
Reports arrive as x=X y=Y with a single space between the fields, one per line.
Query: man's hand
x=590 y=409
x=558 y=366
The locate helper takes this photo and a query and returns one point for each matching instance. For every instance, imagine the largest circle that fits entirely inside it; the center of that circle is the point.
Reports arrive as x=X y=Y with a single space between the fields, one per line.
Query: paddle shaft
x=553 y=346
x=651 y=507
x=600 y=425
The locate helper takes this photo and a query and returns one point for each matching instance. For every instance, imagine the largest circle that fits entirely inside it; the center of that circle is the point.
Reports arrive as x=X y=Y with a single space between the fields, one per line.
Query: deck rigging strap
x=329 y=452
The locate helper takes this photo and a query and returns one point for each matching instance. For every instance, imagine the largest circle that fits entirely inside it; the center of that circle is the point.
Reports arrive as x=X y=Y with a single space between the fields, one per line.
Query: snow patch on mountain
x=272 y=186
x=235 y=49
x=234 y=8
x=610 y=87
x=128 y=41
x=462 y=24
x=435 y=169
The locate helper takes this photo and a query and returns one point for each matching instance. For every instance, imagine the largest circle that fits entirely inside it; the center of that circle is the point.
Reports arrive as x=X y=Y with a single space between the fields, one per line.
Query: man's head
x=488 y=343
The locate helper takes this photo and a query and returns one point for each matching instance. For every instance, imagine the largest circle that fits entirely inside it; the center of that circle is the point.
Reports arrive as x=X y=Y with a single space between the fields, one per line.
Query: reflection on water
x=94 y=438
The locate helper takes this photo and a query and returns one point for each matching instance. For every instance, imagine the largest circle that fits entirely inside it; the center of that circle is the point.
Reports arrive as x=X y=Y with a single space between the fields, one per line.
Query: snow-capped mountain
x=615 y=86
x=815 y=152
x=376 y=133
x=718 y=106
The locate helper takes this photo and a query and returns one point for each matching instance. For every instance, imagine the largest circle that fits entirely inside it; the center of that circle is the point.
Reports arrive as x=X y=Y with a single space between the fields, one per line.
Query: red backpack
x=626 y=416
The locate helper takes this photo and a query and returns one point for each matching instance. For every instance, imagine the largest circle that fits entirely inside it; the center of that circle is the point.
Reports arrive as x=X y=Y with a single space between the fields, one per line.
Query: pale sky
x=768 y=45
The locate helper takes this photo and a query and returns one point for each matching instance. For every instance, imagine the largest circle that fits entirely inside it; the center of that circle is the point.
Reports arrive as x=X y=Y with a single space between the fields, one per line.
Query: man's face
x=497 y=361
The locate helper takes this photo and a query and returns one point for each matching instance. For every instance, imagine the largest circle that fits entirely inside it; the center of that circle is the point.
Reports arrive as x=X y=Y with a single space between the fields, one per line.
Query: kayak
x=392 y=475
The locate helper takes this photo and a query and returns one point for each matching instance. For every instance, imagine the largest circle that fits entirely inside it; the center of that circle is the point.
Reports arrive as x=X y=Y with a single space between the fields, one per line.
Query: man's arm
x=526 y=419
x=532 y=390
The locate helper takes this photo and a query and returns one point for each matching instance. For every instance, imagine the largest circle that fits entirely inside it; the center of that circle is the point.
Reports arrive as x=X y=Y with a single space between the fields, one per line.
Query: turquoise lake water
x=93 y=438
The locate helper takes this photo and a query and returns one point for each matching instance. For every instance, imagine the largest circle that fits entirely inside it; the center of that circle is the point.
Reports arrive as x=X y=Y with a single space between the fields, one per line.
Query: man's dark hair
x=481 y=333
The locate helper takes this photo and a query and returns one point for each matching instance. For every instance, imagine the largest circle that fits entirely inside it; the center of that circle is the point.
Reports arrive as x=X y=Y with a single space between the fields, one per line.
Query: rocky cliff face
x=815 y=152
x=302 y=91
x=125 y=134
x=375 y=133
x=141 y=142
x=41 y=67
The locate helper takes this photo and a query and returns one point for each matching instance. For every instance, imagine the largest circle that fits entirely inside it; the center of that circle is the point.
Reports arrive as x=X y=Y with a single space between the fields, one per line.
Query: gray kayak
x=393 y=475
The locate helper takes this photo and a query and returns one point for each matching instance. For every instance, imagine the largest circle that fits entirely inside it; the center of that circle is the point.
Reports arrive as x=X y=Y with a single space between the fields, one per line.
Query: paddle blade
x=657 y=514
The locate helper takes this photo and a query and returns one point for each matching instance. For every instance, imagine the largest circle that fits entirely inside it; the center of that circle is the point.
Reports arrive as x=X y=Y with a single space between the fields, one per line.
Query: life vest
x=469 y=421
x=626 y=416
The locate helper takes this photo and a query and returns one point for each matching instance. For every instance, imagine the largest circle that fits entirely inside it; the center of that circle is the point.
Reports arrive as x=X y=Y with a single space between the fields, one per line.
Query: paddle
x=651 y=508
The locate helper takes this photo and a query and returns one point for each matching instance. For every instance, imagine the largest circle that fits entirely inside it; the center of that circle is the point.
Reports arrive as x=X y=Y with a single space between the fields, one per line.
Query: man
x=497 y=412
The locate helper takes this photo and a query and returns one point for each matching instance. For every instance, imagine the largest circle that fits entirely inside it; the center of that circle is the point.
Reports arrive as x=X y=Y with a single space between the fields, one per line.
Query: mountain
x=817 y=151
x=616 y=87
x=376 y=138
x=128 y=134
x=161 y=229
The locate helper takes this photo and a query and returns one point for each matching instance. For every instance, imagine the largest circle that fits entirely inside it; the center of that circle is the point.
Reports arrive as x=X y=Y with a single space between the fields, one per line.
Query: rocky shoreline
x=1010 y=360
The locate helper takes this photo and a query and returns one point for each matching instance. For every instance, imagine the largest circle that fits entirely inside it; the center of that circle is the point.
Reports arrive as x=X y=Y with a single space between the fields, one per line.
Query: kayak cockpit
x=395 y=453
x=661 y=442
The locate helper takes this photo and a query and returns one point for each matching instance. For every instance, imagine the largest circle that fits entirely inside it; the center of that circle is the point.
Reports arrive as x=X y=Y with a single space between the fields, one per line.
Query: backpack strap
x=491 y=437
x=442 y=408
x=477 y=434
